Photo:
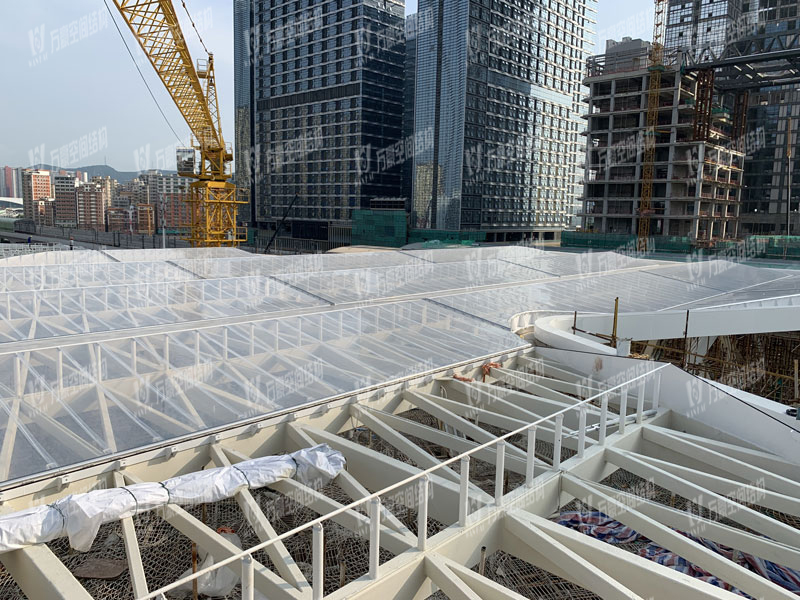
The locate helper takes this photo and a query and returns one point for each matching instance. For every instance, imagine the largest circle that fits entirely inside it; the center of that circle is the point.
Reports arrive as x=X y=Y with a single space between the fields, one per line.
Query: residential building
x=498 y=85
x=172 y=191
x=697 y=185
x=11 y=182
x=36 y=186
x=326 y=111
x=130 y=193
x=92 y=200
x=43 y=211
x=65 y=186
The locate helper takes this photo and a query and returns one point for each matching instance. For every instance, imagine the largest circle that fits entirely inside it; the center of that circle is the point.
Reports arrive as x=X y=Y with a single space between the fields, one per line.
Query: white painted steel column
x=248 y=578
x=623 y=409
x=656 y=390
x=557 y=442
x=603 y=419
x=499 y=474
x=581 y=430
x=374 y=537
x=640 y=401
x=463 y=494
x=318 y=562
x=422 y=514
x=530 y=459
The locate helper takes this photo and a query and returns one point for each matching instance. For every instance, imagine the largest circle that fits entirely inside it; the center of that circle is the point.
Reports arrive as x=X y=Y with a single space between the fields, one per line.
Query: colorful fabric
x=604 y=528
x=599 y=526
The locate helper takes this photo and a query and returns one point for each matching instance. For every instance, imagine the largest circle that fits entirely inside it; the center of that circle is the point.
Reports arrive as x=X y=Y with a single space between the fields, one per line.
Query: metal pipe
x=342 y=571
x=374 y=537
x=623 y=410
x=194 y=570
x=499 y=473
x=686 y=342
x=616 y=322
x=530 y=458
x=422 y=513
x=640 y=401
x=603 y=420
x=248 y=578
x=318 y=562
x=657 y=389
x=463 y=494
x=482 y=565
x=557 y=442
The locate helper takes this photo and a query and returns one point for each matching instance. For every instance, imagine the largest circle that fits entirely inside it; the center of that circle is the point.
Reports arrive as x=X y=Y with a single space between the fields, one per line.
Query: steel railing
x=422 y=479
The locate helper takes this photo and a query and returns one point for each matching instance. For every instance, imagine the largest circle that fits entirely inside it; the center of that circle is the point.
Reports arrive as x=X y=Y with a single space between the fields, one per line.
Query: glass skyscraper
x=242 y=59
x=498 y=87
x=325 y=107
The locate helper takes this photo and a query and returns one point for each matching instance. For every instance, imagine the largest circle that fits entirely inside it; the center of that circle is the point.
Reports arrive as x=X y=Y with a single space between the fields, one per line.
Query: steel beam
x=42 y=576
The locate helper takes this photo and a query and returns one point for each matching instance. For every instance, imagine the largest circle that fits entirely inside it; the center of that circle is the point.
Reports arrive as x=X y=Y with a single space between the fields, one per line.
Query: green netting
x=379 y=228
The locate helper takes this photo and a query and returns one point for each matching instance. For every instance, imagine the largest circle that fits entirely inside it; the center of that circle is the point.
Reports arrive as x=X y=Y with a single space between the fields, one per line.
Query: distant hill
x=99 y=171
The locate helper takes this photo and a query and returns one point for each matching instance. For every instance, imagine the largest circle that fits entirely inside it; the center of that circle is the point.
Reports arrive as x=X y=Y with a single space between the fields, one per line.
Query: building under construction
x=697 y=171
x=480 y=423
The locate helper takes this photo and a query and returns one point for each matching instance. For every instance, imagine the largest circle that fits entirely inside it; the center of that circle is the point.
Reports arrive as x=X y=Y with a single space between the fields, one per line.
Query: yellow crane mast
x=212 y=198
x=656 y=68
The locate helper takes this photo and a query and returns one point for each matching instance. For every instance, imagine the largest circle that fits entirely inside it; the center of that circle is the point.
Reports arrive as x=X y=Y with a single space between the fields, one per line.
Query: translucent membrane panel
x=51 y=313
x=87 y=275
x=304 y=263
x=56 y=258
x=723 y=275
x=638 y=291
x=780 y=292
x=563 y=263
x=63 y=406
x=748 y=299
x=387 y=282
x=163 y=254
x=464 y=254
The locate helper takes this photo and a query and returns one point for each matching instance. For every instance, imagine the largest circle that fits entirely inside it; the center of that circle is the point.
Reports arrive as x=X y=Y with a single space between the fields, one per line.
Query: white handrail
x=463 y=458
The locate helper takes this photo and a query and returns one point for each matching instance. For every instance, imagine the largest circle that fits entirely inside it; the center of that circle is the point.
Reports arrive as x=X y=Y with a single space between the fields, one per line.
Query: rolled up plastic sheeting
x=80 y=516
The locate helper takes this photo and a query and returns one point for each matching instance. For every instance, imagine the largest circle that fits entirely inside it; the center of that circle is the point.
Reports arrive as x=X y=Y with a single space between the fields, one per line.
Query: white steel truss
x=446 y=473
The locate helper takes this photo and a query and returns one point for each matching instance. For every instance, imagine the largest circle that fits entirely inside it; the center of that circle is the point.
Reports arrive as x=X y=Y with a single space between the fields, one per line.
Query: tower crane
x=656 y=68
x=212 y=197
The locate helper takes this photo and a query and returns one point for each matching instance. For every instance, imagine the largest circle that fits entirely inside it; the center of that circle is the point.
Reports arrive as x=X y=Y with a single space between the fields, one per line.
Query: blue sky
x=70 y=88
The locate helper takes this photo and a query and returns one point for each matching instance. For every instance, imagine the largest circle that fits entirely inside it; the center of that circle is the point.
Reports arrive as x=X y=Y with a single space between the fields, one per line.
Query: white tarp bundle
x=80 y=516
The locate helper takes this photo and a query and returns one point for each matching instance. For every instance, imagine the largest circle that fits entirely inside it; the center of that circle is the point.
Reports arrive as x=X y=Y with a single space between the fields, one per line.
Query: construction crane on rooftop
x=656 y=68
x=212 y=197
